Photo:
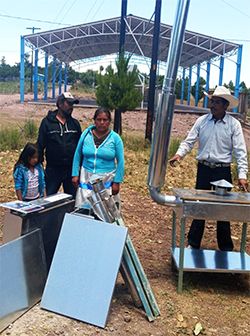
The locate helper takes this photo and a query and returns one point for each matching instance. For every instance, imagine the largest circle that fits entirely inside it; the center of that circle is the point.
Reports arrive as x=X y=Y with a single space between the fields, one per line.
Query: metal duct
x=165 y=111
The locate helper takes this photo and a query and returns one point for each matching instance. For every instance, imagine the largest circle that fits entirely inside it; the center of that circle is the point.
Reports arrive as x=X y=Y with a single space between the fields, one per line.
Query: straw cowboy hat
x=223 y=92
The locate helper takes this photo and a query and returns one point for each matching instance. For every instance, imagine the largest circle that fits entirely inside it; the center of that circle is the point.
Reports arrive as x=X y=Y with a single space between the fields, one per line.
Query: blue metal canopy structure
x=90 y=40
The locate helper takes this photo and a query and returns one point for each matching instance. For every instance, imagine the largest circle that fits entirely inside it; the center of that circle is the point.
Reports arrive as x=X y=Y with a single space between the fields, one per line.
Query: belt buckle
x=212 y=165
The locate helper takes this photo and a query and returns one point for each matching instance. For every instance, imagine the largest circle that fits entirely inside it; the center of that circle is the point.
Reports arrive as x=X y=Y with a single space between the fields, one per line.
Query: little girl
x=29 y=175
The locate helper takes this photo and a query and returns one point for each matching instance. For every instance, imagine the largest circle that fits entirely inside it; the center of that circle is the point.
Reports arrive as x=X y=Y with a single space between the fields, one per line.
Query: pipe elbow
x=162 y=198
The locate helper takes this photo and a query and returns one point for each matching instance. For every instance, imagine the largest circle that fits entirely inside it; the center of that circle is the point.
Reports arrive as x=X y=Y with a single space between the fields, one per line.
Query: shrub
x=14 y=138
x=30 y=129
x=10 y=139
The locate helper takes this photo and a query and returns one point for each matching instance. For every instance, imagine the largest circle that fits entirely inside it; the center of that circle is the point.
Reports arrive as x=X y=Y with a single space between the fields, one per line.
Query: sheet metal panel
x=211 y=196
x=49 y=220
x=205 y=204
x=12 y=226
x=213 y=261
x=23 y=274
x=84 y=269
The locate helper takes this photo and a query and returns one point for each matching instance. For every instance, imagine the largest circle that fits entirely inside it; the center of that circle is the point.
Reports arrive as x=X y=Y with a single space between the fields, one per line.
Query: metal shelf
x=212 y=261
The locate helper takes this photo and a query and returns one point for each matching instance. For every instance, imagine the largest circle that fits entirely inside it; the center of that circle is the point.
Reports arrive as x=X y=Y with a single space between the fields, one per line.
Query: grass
x=137 y=154
x=82 y=90
x=11 y=87
x=9 y=139
x=12 y=138
x=30 y=129
x=135 y=141
x=173 y=146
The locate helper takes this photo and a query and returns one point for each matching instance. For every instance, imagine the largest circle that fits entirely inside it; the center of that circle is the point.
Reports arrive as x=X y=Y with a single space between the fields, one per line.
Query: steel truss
x=91 y=41
x=102 y=38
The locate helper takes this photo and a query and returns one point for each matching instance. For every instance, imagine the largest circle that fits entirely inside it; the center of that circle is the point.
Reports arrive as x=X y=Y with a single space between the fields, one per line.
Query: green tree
x=3 y=61
x=201 y=89
x=178 y=86
x=231 y=86
x=88 y=78
x=116 y=90
x=4 y=69
x=243 y=88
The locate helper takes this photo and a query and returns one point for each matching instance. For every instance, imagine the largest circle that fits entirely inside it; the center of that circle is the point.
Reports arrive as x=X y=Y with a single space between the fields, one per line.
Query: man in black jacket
x=58 y=135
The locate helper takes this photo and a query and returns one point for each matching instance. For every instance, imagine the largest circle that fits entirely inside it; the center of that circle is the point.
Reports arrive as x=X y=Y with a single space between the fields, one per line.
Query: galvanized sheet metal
x=49 y=221
x=213 y=261
x=84 y=269
x=23 y=274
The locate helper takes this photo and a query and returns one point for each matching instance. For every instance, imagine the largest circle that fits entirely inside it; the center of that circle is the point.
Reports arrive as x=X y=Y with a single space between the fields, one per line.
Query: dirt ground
x=220 y=302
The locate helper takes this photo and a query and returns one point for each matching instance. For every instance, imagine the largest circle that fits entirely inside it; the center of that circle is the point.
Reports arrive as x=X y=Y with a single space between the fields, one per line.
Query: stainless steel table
x=203 y=204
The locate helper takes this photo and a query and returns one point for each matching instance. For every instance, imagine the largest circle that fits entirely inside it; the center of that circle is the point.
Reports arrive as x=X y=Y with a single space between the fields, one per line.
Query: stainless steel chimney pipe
x=165 y=111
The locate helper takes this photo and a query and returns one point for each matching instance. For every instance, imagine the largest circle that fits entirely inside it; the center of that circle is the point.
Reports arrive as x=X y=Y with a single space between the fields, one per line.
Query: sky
x=224 y=19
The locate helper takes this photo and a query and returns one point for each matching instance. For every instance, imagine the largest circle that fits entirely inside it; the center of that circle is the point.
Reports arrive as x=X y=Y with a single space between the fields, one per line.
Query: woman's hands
x=115 y=188
x=75 y=181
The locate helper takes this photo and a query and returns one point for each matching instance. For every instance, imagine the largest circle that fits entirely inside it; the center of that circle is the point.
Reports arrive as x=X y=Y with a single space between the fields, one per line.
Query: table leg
x=174 y=230
x=181 y=256
x=243 y=238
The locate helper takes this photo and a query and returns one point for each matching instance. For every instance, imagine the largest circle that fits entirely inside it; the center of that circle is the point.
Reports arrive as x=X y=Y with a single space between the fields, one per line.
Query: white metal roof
x=102 y=38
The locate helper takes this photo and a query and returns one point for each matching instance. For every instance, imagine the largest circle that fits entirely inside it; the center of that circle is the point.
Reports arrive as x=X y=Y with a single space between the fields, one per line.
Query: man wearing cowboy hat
x=219 y=136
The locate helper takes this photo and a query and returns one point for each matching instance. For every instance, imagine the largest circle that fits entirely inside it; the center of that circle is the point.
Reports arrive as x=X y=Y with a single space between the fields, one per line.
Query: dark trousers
x=205 y=175
x=55 y=176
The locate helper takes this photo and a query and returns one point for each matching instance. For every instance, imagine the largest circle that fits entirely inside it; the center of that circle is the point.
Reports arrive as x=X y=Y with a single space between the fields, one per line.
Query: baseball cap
x=69 y=97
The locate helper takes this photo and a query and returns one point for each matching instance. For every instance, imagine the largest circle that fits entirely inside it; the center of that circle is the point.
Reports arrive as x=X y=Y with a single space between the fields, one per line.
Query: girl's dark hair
x=29 y=150
x=102 y=110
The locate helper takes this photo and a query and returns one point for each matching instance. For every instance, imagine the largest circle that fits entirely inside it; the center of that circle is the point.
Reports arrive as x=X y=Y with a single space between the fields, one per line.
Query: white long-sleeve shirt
x=217 y=142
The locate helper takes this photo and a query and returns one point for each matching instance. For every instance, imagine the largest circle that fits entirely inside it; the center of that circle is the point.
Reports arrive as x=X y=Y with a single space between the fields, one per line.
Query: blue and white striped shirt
x=217 y=142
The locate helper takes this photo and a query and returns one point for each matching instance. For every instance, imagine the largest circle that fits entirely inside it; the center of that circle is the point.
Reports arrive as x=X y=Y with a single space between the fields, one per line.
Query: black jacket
x=59 y=141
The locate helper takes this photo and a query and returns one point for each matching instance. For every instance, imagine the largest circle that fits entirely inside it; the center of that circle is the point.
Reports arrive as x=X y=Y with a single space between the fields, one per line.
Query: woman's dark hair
x=29 y=150
x=102 y=110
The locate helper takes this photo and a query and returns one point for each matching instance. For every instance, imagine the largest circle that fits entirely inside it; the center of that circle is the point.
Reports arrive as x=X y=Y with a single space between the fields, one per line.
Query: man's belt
x=214 y=164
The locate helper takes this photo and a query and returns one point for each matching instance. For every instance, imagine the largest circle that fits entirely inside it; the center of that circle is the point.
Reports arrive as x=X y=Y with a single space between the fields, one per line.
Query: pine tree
x=116 y=90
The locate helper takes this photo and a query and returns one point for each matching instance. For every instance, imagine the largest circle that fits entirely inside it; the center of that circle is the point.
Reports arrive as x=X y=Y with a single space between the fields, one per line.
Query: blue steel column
x=65 y=77
x=183 y=85
x=54 y=78
x=153 y=70
x=117 y=115
x=238 y=68
x=205 y=102
x=60 y=79
x=22 y=70
x=36 y=76
x=197 y=84
x=123 y=26
x=46 y=73
x=189 y=85
x=221 y=70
